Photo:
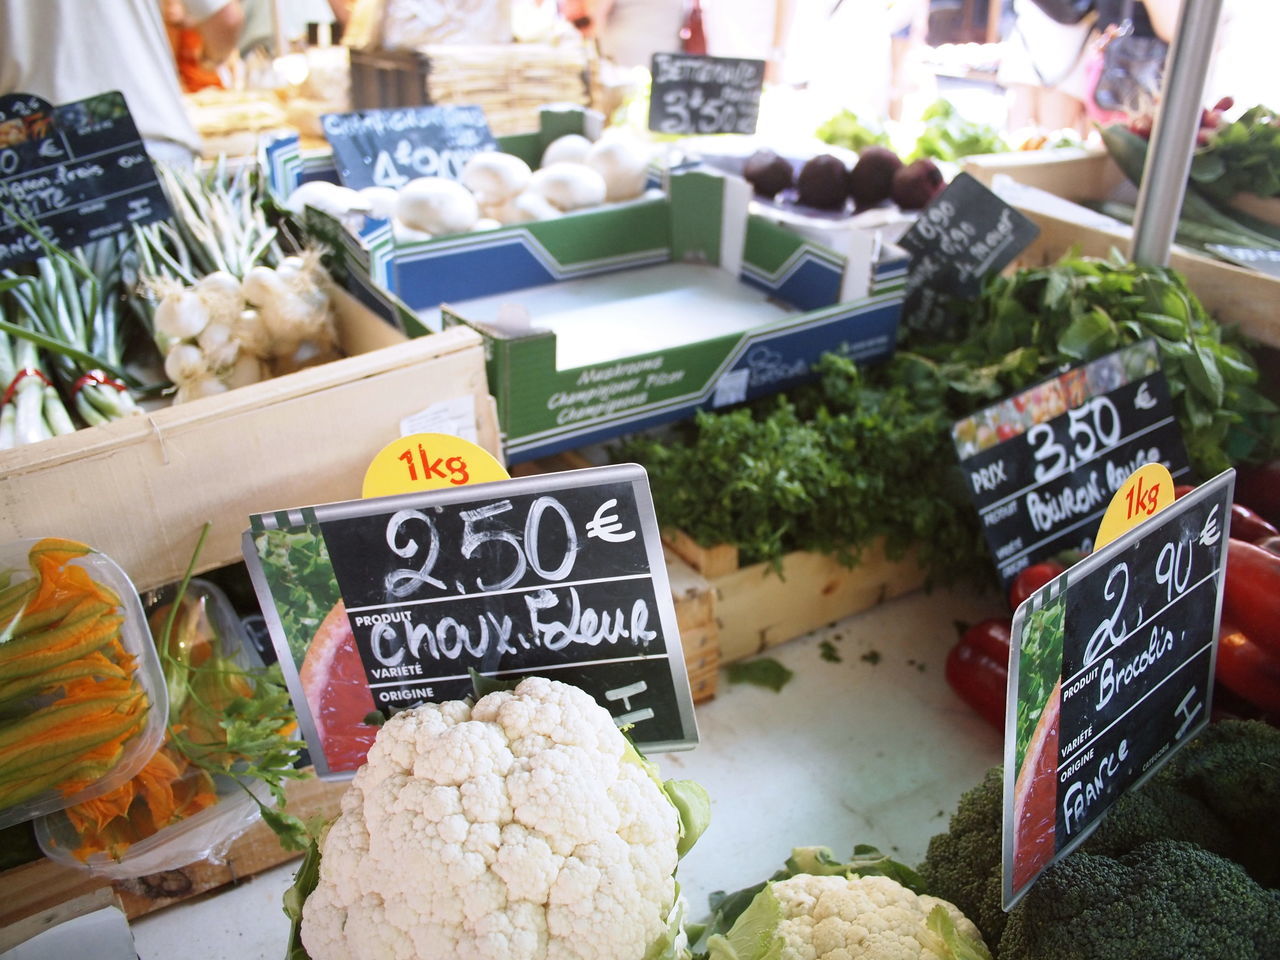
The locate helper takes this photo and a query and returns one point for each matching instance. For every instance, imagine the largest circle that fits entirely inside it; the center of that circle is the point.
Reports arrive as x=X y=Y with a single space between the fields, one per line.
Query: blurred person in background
x=628 y=32
x=68 y=50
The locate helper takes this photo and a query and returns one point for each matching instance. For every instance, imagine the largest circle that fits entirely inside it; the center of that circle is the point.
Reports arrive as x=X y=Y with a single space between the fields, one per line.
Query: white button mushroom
x=571 y=148
x=437 y=206
x=495 y=177
x=381 y=200
x=525 y=208
x=569 y=186
x=623 y=162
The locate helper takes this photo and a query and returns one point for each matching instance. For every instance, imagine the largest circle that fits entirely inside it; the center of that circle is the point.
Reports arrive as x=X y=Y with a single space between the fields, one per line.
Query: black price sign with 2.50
x=697 y=95
x=76 y=173
x=388 y=148
x=1112 y=671
x=1042 y=465
x=560 y=575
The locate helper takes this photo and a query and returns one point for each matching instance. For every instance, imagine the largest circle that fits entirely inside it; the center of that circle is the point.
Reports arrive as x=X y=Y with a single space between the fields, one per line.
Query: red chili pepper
x=1258 y=488
x=1251 y=599
x=1032 y=578
x=1247 y=670
x=978 y=669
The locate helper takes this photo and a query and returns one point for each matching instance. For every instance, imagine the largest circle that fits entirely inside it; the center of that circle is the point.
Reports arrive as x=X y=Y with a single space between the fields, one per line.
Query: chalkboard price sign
x=965 y=234
x=696 y=95
x=1112 y=671
x=388 y=148
x=560 y=575
x=77 y=173
x=1042 y=465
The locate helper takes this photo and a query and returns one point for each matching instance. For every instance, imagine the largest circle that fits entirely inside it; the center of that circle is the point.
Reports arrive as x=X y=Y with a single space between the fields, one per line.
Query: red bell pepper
x=1247 y=670
x=977 y=669
x=1032 y=578
x=1251 y=599
x=1246 y=523
x=1258 y=487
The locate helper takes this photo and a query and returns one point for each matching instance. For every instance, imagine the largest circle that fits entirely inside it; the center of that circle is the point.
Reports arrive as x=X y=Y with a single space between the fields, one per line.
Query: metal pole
x=1173 y=136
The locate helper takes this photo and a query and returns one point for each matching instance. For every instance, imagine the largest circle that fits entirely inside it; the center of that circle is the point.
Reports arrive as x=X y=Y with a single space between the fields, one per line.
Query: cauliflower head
x=525 y=827
x=808 y=917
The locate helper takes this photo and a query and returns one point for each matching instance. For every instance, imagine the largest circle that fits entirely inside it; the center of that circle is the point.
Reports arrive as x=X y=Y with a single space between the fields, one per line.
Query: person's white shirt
x=68 y=50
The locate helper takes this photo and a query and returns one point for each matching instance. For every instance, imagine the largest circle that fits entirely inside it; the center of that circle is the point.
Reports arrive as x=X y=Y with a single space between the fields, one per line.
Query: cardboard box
x=748 y=306
x=140 y=489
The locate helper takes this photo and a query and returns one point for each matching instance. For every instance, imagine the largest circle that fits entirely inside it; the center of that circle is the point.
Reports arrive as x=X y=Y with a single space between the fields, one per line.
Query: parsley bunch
x=829 y=468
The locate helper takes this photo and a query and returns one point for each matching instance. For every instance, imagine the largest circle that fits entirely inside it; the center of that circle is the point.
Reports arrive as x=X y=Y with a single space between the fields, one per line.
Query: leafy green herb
x=761 y=672
x=856 y=456
x=829 y=652
x=253 y=712
x=1027 y=325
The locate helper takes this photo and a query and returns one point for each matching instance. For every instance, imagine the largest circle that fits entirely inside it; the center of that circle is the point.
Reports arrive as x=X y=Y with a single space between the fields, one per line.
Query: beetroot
x=916 y=184
x=871 y=179
x=822 y=182
x=768 y=173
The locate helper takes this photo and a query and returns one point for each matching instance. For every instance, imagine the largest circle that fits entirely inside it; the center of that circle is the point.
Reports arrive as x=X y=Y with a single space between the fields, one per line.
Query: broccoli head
x=963 y=865
x=1218 y=793
x=1167 y=898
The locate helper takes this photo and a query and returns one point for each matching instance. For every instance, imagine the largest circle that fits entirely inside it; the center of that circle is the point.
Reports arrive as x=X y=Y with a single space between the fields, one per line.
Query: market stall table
x=849 y=752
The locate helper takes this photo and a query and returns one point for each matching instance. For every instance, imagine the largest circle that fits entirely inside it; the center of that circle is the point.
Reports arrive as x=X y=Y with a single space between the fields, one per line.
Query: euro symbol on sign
x=607 y=526
x=1144 y=400
x=1210 y=534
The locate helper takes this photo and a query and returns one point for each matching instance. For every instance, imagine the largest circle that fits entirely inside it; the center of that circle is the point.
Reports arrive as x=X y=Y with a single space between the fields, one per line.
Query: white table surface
x=846 y=753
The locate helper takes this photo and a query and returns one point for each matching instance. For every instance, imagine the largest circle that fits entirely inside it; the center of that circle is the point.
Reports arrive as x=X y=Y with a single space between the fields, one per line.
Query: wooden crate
x=511 y=82
x=1232 y=294
x=758 y=606
x=140 y=489
x=43 y=892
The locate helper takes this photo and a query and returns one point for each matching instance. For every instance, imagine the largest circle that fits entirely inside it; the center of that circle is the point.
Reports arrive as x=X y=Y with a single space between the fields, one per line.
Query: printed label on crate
x=963 y=236
x=1255 y=258
x=388 y=148
x=76 y=173
x=560 y=575
x=1042 y=465
x=1112 y=673
x=695 y=95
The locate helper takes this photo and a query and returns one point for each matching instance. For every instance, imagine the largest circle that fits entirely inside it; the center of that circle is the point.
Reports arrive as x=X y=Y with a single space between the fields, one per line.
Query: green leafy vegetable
x=1026 y=325
x=761 y=672
x=856 y=456
x=1241 y=157
x=846 y=130
x=829 y=652
x=949 y=136
x=960 y=945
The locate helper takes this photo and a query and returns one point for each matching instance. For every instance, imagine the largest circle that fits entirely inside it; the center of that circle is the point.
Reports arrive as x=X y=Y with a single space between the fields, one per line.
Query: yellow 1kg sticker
x=1148 y=490
x=429 y=461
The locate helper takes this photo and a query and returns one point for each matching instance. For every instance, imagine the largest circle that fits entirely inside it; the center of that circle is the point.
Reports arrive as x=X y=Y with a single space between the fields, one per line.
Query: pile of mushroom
x=496 y=189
